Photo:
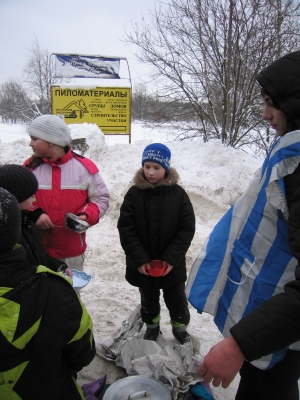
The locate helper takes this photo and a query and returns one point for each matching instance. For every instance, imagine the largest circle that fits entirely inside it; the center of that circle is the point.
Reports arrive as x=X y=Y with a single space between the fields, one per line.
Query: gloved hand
x=93 y=389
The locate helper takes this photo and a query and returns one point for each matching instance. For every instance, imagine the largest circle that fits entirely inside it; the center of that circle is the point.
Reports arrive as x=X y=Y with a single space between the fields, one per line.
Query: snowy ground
x=214 y=176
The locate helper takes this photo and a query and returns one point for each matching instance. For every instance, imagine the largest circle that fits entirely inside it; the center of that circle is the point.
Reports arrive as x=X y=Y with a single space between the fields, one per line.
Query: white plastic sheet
x=127 y=349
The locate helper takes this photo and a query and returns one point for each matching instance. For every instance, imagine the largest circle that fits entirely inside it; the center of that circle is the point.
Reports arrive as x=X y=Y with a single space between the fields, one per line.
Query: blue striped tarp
x=247 y=259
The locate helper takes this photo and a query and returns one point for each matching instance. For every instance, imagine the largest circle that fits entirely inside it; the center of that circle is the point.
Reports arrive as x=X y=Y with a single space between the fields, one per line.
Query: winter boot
x=181 y=335
x=152 y=332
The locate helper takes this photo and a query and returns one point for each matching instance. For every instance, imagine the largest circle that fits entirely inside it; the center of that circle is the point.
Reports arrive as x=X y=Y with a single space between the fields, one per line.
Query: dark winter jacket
x=276 y=324
x=46 y=332
x=31 y=240
x=156 y=222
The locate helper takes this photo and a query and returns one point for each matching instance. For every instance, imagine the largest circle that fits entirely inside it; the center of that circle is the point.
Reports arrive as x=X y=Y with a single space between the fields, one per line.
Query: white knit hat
x=52 y=129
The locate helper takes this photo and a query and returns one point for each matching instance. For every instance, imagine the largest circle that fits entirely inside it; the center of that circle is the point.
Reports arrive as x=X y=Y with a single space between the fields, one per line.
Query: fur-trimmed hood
x=141 y=182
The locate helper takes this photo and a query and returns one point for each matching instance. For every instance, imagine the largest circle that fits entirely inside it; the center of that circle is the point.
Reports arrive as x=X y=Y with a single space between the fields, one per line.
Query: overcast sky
x=91 y=27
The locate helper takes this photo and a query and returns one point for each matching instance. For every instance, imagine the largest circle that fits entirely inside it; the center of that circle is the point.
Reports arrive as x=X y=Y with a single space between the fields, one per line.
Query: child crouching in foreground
x=157 y=222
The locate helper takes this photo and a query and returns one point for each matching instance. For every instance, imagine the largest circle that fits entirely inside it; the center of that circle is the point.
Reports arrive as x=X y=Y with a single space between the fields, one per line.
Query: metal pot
x=139 y=387
x=76 y=224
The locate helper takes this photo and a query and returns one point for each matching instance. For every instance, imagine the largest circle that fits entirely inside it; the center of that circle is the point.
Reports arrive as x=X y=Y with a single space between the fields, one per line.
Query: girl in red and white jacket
x=68 y=182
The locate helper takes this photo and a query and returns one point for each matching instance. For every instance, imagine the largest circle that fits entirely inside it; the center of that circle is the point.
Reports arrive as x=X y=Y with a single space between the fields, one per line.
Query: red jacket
x=69 y=184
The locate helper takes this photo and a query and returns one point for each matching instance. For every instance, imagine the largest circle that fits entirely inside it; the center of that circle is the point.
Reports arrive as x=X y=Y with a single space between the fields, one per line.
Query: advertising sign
x=81 y=66
x=107 y=107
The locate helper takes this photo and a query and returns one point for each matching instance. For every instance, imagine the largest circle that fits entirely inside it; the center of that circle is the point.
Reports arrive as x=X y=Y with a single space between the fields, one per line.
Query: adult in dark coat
x=46 y=333
x=157 y=222
x=275 y=324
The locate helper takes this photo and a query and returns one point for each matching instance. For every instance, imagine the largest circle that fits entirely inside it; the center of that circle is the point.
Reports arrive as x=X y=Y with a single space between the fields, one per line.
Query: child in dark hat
x=46 y=332
x=22 y=183
x=68 y=183
x=157 y=222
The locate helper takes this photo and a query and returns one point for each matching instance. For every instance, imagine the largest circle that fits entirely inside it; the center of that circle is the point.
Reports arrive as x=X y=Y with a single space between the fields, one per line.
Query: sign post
x=107 y=106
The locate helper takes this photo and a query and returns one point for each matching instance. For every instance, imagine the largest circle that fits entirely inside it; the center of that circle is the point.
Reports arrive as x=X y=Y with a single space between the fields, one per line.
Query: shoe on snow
x=152 y=334
x=182 y=337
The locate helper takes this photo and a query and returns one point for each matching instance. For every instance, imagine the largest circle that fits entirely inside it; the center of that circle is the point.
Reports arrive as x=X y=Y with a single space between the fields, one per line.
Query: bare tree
x=39 y=76
x=20 y=102
x=207 y=53
x=139 y=102
x=15 y=105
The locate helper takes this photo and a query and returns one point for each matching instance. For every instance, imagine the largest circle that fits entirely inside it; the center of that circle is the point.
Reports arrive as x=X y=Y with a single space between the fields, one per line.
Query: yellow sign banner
x=107 y=107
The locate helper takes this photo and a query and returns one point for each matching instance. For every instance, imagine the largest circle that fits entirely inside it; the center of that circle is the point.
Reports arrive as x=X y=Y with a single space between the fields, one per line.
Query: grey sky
x=93 y=27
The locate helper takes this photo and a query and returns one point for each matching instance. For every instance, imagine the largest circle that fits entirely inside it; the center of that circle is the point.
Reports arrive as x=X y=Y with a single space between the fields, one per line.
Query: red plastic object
x=156 y=268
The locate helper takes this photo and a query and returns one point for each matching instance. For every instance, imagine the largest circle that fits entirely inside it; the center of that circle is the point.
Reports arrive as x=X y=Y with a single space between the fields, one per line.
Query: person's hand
x=222 y=363
x=44 y=222
x=69 y=272
x=142 y=269
x=169 y=268
x=82 y=217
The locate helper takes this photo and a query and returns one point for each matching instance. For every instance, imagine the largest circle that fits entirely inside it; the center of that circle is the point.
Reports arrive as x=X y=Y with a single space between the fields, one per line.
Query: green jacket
x=45 y=332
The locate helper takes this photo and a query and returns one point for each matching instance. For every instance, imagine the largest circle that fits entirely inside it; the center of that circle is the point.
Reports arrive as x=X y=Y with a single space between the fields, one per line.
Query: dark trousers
x=277 y=383
x=175 y=300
